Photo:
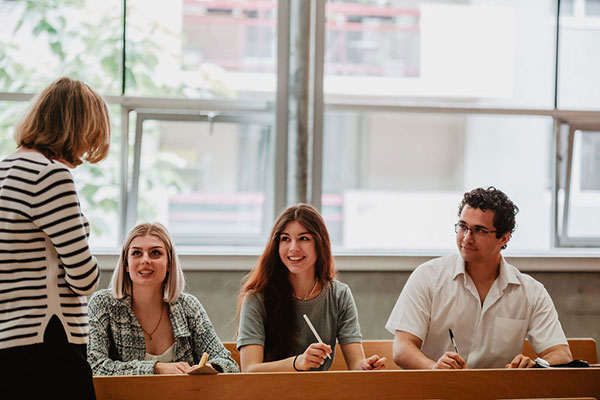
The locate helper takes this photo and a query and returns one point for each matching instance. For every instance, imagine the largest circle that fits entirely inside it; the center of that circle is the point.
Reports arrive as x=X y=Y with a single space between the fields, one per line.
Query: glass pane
x=11 y=113
x=484 y=53
x=207 y=182
x=394 y=180
x=98 y=187
x=579 y=60
x=584 y=202
x=79 y=39
x=200 y=49
x=592 y=8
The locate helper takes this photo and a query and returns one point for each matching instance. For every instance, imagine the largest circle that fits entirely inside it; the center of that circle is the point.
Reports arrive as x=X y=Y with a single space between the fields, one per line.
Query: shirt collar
x=506 y=276
x=459 y=267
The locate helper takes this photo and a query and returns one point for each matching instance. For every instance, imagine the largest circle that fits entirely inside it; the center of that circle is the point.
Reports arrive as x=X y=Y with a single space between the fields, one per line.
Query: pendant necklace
x=156 y=327
x=308 y=295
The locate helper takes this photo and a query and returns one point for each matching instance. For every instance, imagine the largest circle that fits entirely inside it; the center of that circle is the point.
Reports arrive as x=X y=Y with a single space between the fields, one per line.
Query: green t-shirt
x=332 y=313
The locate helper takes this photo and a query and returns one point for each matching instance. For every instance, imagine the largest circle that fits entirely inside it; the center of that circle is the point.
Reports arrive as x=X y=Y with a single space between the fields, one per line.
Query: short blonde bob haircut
x=121 y=285
x=67 y=121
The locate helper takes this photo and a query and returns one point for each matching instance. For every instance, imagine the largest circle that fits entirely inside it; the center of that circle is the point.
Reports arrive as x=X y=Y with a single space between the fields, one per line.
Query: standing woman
x=46 y=267
x=295 y=276
x=144 y=323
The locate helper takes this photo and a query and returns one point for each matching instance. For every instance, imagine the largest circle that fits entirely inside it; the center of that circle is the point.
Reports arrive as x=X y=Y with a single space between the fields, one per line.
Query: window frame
x=258 y=116
x=564 y=176
x=279 y=111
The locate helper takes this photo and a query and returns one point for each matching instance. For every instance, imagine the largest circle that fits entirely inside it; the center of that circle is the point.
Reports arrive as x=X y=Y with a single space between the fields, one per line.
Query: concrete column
x=299 y=101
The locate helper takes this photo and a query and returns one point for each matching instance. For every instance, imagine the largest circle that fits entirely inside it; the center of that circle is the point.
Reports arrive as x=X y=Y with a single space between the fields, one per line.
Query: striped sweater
x=46 y=267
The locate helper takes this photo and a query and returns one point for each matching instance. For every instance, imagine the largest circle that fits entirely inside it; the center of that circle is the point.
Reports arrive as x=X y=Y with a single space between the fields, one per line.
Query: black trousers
x=52 y=368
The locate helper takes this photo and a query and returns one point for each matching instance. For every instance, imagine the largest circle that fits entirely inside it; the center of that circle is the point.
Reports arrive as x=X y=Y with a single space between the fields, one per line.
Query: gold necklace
x=156 y=327
x=308 y=295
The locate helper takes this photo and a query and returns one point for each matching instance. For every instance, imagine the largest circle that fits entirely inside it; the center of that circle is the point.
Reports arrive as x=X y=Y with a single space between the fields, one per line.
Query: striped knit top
x=46 y=267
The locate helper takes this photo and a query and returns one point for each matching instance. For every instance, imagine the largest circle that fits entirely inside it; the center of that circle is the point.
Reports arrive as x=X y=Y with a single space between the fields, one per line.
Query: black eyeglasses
x=477 y=231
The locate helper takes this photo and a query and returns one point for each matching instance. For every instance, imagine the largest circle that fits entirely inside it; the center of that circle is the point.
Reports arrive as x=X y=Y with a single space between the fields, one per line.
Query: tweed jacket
x=116 y=340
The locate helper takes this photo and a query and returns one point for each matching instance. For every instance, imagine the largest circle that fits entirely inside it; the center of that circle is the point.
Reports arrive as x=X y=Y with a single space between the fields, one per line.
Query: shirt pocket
x=508 y=336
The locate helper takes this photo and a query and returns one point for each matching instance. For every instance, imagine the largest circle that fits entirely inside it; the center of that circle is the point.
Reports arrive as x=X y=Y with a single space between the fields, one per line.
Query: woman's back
x=45 y=264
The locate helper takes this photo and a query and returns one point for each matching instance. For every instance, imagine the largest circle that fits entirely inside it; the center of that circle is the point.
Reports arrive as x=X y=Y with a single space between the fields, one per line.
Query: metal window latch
x=211 y=119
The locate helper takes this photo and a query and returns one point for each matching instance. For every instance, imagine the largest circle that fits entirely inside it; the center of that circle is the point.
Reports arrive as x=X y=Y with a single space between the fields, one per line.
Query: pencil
x=314 y=331
x=203 y=360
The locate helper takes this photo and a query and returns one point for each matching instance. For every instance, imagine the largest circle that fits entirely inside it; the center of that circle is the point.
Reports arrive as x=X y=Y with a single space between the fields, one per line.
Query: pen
x=453 y=342
x=314 y=331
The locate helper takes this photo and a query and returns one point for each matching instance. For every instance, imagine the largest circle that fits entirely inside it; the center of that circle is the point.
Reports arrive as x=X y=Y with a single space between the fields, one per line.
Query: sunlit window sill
x=244 y=258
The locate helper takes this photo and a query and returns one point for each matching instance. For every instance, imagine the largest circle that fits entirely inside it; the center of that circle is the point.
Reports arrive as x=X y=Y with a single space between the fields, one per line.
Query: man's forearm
x=410 y=357
x=560 y=354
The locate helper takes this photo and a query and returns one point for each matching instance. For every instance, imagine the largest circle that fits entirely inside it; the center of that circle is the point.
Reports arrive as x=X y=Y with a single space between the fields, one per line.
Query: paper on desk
x=204 y=370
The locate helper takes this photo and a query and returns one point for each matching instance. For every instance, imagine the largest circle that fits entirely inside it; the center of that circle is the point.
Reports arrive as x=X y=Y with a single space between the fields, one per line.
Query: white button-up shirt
x=440 y=295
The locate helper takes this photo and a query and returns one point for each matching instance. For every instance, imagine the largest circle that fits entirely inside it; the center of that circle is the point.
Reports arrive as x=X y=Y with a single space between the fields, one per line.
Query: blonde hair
x=68 y=121
x=121 y=285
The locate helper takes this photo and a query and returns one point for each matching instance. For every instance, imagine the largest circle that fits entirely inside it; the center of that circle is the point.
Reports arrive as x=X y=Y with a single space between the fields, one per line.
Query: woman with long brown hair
x=295 y=276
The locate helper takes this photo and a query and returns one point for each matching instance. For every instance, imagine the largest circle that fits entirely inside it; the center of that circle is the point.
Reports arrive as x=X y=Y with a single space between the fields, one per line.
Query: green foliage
x=97 y=62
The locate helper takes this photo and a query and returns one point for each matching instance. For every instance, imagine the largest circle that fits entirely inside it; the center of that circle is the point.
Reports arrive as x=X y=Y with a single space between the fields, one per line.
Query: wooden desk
x=581 y=348
x=477 y=384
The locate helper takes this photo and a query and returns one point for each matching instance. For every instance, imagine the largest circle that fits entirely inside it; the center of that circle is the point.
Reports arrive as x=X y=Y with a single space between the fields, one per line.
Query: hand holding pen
x=371 y=363
x=314 y=331
x=451 y=359
x=314 y=356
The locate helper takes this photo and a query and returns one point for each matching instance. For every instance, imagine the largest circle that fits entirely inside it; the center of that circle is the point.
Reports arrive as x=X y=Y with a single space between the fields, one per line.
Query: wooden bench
x=235 y=354
x=350 y=385
x=581 y=349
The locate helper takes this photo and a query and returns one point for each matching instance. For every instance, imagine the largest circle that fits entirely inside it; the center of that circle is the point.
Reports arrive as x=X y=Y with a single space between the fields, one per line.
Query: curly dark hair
x=495 y=200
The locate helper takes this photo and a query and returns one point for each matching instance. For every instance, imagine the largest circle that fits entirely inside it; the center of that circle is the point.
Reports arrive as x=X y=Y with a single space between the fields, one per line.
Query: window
x=579 y=190
x=77 y=39
x=578 y=66
x=181 y=58
x=421 y=101
x=398 y=177
x=203 y=167
x=485 y=53
x=98 y=186
x=206 y=177
x=201 y=49
x=10 y=112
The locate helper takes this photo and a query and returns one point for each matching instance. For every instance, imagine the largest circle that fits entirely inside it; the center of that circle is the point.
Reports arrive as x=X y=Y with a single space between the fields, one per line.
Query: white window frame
x=258 y=116
x=565 y=158
x=279 y=112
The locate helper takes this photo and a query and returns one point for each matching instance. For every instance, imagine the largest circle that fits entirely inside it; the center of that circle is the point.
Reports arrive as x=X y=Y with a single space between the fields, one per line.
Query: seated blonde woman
x=144 y=323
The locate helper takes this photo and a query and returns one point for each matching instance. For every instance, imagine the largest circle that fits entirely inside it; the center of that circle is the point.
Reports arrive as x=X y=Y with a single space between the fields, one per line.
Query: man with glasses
x=473 y=308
